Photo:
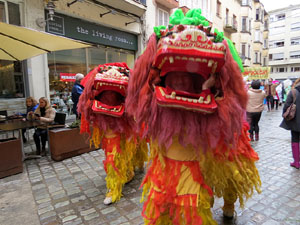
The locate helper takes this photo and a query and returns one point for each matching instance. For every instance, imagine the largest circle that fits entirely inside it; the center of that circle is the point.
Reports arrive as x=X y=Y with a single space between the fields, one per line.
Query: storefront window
x=11 y=73
x=96 y=56
x=63 y=66
x=11 y=79
x=2 y=12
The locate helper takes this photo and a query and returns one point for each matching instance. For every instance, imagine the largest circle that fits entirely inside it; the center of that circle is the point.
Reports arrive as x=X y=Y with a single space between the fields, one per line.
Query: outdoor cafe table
x=17 y=124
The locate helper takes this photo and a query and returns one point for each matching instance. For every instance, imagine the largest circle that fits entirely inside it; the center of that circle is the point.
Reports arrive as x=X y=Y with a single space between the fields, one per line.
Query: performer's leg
x=229 y=197
x=116 y=170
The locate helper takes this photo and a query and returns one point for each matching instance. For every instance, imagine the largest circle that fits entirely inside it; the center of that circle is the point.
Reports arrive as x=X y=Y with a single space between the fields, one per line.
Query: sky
x=277 y=4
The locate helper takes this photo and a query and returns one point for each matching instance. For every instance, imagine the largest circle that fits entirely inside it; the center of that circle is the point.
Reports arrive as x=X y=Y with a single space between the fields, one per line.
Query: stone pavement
x=72 y=191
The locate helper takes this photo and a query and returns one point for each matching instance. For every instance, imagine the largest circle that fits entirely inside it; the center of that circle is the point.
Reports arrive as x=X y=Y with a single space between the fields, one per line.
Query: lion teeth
x=173 y=94
x=194 y=100
x=201 y=99
x=208 y=100
x=178 y=98
x=171 y=59
x=210 y=63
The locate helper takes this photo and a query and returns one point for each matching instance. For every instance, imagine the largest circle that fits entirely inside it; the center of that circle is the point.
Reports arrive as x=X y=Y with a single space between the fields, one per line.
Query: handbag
x=291 y=110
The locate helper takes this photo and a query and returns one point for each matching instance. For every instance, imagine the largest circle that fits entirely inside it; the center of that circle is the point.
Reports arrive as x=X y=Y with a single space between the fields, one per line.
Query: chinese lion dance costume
x=102 y=106
x=188 y=90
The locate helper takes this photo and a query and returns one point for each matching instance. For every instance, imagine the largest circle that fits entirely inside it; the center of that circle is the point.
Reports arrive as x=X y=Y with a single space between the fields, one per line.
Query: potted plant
x=68 y=142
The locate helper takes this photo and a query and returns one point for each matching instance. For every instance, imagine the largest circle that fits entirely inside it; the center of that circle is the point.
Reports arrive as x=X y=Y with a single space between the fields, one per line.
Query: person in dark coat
x=294 y=124
x=76 y=92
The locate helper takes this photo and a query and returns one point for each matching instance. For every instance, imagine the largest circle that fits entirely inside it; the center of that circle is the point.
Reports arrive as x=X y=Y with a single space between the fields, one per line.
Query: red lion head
x=166 y=88
x=102 y=102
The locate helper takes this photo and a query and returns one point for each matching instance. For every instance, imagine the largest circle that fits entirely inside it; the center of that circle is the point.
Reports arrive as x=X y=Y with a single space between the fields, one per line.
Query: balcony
x=135 y=7
x=170 y=4
x=230 y=25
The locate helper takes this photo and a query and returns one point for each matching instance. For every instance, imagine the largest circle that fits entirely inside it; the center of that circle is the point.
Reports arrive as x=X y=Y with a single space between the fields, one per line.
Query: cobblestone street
x=72 y=191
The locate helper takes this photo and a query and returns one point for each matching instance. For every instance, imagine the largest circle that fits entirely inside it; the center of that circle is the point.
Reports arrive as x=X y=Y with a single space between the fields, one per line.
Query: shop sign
x=56 y=26
x=256 y=73
x=67 y=77
x=91 y=32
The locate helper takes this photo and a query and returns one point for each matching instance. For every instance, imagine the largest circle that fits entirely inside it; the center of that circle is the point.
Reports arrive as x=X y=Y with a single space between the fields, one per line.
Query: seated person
x=31 y=105
x=46 y=114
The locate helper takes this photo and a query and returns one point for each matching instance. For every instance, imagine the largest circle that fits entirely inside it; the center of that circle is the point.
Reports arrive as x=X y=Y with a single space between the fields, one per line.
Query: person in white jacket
x=255 y=106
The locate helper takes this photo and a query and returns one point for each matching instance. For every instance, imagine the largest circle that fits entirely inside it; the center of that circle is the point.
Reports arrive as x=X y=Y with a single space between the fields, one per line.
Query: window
x=249 y=51
x=276 y=43
x=266 y=25
x=246 y=3
x=295 y=13
x=81 y=61
x=295 y=26
x=11 y=73
x=244 y=24
x=295 y=69
x=265 y=61
x=265 y=43
x=295 y=54
x=163 y=17
x=280 y=17
x=256 y=57
x=258 y=36
x=234 y=25
x=243 y=50
x=295 y=41
x=276 y=56
x=281 y=69
x=257 y=16
x=218 y=9
x=277 y=30
x=10 y=13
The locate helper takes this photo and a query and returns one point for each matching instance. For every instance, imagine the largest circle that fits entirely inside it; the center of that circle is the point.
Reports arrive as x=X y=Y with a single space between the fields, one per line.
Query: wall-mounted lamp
x=110 y=11
x=71 y=3
x=51 y=9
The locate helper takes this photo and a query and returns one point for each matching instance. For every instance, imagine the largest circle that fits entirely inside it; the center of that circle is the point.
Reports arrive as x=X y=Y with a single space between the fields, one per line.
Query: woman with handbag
x=291 y=120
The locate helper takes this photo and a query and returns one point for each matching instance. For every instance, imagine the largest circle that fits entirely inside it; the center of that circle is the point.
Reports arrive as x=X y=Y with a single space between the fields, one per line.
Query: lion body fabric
x=110 y=128
x=199 y=145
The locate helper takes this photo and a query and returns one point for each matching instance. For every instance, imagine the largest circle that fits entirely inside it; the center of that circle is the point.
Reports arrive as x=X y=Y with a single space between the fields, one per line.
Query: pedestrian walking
x=270 y=90
x=255 y=106
x=294 y=124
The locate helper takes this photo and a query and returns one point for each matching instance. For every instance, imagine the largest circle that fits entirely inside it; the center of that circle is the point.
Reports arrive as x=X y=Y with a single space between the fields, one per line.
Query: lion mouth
x=191 y=97
x=110 y=95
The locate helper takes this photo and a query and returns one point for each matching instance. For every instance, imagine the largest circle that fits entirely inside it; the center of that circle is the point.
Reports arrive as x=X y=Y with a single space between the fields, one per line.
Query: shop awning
x=20 y=43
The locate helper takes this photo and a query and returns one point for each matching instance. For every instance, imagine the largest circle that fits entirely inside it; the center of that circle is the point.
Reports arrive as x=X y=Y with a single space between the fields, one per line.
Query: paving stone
x=47 y=215
x=91 y=216
x=46 y=209
x=108 y=210
x=69 y=218
x=120 y=220
x=61 y=204
x=87 y=212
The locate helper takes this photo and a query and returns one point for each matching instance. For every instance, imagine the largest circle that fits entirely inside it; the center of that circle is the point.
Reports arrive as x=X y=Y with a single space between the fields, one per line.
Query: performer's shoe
x=228 y=210
x=108 y=199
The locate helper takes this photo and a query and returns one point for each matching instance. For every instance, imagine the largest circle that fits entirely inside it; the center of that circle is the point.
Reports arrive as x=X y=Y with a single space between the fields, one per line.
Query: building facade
x=116 y=30
x=284 y=42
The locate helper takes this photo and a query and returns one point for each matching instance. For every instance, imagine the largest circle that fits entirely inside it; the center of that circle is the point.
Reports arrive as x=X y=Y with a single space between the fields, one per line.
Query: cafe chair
x=59 y=122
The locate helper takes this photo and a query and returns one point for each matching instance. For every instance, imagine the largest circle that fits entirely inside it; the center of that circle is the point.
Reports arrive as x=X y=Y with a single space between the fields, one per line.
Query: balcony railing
x=230 y=25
